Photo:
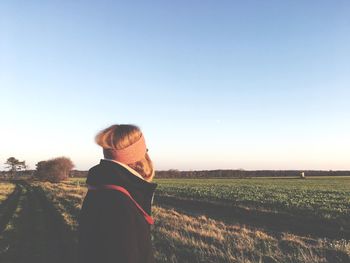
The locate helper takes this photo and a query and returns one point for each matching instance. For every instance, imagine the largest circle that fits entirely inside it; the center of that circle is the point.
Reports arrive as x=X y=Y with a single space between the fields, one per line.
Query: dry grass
x=6 y=189
x=184 y=238
x=10 y=230
x=66 y=197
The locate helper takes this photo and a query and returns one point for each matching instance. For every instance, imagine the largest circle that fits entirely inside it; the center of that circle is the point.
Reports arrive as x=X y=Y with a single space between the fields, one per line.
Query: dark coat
x=111 y=228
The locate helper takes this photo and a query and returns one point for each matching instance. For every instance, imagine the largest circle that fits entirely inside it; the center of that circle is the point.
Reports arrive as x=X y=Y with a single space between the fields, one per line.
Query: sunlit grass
x=6 y=189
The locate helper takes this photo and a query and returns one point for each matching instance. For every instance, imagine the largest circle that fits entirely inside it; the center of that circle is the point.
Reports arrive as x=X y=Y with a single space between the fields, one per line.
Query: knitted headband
x=131 y=154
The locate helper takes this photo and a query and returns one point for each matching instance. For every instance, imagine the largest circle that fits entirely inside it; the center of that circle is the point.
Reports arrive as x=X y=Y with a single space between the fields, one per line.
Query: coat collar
x=126 y=167
x=110 y=172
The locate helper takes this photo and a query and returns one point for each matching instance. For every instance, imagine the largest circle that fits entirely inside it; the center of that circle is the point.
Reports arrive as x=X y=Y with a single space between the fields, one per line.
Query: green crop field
x=324 y=197
x=197 y=220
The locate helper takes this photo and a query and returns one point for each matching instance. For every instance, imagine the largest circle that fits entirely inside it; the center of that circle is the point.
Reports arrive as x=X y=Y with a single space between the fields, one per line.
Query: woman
x=114 y=223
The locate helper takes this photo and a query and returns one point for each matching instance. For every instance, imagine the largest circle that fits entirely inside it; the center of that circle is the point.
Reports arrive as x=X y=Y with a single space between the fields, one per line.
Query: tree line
x=60 y=168
x=240 y=173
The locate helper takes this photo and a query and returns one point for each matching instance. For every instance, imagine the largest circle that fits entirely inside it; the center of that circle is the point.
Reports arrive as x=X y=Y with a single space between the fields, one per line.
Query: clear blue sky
x=213 y=84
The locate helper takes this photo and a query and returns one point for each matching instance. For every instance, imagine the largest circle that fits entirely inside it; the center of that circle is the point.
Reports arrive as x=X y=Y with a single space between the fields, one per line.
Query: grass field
x=211 y=220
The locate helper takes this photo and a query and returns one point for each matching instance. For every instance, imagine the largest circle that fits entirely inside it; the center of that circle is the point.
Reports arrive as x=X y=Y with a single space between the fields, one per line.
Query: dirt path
x=34 y=232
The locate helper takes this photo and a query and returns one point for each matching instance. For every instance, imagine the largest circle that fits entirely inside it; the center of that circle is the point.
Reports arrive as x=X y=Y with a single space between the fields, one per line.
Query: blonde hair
x=120 y=136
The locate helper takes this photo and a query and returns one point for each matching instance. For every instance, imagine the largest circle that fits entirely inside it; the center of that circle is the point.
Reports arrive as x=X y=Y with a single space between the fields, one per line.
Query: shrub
x=53 y=170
